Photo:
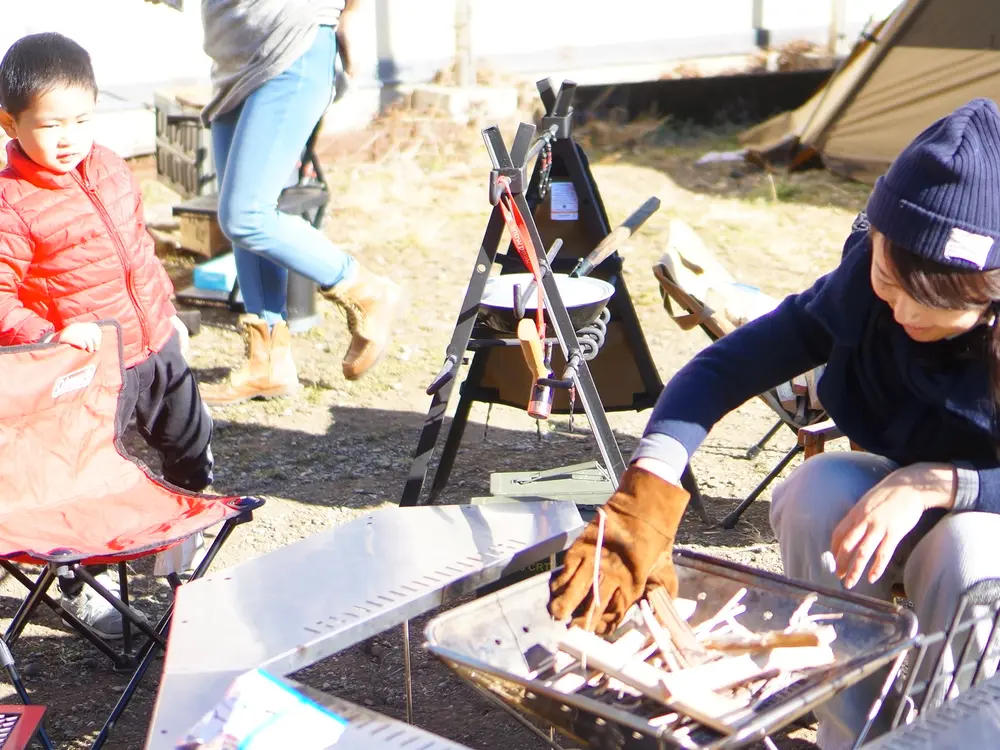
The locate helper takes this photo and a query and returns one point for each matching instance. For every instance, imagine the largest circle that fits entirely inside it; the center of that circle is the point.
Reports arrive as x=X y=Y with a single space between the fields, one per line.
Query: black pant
x=163 y=395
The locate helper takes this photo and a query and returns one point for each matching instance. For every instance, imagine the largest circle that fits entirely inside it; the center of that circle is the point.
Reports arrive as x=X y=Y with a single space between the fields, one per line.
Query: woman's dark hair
x=37 y=63
x=937 y=285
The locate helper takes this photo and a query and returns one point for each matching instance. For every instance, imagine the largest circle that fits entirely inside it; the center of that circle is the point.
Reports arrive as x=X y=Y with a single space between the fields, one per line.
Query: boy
x=74 y=250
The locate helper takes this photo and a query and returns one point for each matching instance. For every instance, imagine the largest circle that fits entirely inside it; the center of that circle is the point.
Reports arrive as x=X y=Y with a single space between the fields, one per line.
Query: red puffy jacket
x=74 y=248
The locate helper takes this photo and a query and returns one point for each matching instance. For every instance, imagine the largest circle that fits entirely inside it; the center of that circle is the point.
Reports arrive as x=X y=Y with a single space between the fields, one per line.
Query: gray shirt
x=252 y=41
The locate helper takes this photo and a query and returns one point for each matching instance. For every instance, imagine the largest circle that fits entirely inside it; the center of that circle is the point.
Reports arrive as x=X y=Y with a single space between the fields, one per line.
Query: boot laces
x=352 y=310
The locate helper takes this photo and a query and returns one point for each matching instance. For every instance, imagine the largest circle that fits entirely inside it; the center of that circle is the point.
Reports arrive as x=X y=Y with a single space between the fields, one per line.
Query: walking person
x=273 y=78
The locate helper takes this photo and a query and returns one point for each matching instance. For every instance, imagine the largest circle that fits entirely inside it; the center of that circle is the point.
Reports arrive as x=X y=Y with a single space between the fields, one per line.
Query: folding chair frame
x=670 y=290
x=137 y=661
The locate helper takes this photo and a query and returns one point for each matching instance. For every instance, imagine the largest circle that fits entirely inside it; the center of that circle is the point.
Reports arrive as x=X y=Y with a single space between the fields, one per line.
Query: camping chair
x=692 y=279
x=70 y=496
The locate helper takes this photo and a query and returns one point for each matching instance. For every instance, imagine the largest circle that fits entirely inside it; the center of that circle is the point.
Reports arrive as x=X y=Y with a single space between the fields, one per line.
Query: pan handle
x=532 y=285
x=620 y=234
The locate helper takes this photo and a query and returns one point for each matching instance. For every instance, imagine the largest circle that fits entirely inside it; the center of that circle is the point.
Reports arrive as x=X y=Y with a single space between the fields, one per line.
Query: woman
x=907 y=328
x=273 y=78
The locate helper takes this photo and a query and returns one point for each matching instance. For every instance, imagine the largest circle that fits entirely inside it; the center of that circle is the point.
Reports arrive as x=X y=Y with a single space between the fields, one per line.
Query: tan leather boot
x=370 y=303
x=269 y=371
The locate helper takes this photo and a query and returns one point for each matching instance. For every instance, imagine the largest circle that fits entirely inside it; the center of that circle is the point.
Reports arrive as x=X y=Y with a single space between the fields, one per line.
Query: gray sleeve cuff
x=967 y=489
x=666 y=449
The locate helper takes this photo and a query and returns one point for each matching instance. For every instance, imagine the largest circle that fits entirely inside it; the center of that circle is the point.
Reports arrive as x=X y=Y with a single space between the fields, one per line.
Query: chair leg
x=126 y=622
x=25 y=613
x=148 y=651
x=731 y=520
x=126 y=613
x=146 y=655
x=36 y=593
x=7 y=662
x=220 y=539
x=689 y=483
x=754 y=450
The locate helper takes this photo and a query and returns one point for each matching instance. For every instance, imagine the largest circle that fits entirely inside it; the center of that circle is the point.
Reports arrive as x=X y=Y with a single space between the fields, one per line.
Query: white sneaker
x=95 y=611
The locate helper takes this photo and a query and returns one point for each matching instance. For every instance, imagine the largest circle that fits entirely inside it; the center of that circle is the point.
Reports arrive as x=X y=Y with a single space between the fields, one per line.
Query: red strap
x=521 y=238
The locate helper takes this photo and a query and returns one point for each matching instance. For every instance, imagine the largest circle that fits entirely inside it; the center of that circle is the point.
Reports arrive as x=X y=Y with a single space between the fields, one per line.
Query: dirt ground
x=411 y=198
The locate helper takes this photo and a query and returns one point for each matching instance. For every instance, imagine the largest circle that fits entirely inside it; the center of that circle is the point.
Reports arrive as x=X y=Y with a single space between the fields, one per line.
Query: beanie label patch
x=973 y=248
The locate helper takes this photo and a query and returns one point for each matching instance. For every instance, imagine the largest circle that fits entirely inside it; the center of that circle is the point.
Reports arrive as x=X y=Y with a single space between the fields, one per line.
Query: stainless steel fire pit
x=486 y=641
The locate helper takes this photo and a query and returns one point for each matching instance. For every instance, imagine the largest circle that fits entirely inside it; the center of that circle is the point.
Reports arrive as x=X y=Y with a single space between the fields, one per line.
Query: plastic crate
x=184 y=160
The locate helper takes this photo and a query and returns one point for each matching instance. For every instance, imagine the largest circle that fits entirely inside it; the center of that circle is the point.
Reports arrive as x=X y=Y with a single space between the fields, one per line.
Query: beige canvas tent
x=924 y=60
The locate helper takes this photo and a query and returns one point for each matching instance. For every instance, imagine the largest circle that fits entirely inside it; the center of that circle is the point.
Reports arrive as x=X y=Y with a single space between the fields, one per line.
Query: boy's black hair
x=37 y=63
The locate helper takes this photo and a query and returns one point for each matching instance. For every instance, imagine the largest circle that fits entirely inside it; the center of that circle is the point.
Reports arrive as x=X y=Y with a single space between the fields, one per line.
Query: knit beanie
x=940 y=198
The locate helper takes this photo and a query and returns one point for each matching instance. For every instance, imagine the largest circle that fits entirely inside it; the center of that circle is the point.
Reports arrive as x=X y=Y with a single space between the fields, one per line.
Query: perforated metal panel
x=292 y=607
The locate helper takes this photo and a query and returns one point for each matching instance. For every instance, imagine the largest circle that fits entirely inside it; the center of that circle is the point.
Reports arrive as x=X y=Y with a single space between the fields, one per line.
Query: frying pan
x=583 y=296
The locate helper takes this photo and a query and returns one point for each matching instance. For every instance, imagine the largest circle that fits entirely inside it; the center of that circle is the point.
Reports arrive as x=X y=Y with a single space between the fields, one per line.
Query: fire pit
x=506 y=644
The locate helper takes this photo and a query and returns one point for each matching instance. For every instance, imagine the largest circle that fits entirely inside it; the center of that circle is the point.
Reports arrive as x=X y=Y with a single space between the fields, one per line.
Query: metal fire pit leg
x=407 y=676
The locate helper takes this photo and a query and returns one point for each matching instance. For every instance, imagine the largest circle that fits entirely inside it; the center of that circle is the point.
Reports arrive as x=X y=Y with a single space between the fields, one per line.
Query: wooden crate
x=200 y=232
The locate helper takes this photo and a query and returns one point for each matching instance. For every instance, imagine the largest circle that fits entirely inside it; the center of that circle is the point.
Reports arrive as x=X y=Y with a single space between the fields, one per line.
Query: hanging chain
x=486 y=427
x=545 y=176
x=572 y=404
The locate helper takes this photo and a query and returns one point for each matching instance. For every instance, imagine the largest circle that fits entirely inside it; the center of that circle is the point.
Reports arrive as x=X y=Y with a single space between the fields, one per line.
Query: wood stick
x=672 y=656
x=729 y=609
x=570 y=678
x=673 y=690
x=802 y=611
x=819 y=636
x=728 y=670
x=680 y=632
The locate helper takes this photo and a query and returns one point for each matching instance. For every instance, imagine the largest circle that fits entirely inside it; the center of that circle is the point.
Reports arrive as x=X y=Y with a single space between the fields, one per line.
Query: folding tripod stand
x=622 y=376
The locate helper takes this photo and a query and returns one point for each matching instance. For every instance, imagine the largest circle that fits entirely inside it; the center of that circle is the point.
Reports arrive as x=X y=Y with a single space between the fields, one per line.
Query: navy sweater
x=895 y=397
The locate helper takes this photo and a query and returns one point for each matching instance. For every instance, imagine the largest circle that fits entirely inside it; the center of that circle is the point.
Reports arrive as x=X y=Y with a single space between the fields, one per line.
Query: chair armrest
x=813 y=437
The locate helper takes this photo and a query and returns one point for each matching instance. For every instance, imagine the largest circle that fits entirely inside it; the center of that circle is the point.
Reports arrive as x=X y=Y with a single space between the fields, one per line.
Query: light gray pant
x=936 y=568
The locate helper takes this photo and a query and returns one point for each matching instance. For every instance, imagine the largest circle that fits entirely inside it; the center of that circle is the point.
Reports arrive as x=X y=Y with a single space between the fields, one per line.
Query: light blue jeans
x=936 y=564
x=257 y=147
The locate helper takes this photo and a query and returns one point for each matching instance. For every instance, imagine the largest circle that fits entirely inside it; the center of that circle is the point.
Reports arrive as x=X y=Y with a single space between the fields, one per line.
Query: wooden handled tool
x=531 y=347
x=540 y=401
x=619 y=235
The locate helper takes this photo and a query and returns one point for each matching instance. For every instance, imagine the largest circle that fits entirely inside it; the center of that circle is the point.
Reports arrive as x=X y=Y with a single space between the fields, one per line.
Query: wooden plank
x=728 y=670
x=675 y=690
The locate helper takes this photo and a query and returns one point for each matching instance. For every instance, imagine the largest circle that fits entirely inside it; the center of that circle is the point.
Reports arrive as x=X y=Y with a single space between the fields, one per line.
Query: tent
x=927 y=58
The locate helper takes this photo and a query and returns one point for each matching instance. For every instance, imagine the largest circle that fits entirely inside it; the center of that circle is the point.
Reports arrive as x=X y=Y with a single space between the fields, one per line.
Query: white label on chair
x=74 y=381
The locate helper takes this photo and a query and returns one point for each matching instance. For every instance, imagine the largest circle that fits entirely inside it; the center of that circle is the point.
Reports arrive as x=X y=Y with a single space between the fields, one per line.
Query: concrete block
x=465 y=104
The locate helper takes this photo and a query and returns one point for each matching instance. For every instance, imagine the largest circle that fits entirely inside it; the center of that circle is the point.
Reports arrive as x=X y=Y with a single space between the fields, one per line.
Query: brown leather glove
x=642 y=519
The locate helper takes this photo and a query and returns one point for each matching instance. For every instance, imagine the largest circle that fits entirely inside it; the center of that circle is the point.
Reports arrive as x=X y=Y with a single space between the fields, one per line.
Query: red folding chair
x=70 y=496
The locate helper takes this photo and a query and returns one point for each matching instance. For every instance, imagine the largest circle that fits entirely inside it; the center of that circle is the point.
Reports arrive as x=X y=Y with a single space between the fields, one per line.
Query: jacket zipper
x=122 y=253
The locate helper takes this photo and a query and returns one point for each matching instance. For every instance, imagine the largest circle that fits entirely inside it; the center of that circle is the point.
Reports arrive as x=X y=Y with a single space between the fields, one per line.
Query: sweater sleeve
x=755 y=357
x=18 y=324
x=978 y=488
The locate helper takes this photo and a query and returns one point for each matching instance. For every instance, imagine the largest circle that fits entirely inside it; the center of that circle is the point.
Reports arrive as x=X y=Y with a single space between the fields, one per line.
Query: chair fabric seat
x=68 y=490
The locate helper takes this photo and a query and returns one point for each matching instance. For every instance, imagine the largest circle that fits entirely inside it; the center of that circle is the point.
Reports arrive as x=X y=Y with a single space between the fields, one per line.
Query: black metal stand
x=562 y=158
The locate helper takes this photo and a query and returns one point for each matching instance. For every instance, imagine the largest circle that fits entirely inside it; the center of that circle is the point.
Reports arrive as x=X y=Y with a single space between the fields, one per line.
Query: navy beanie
x=940 y=198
